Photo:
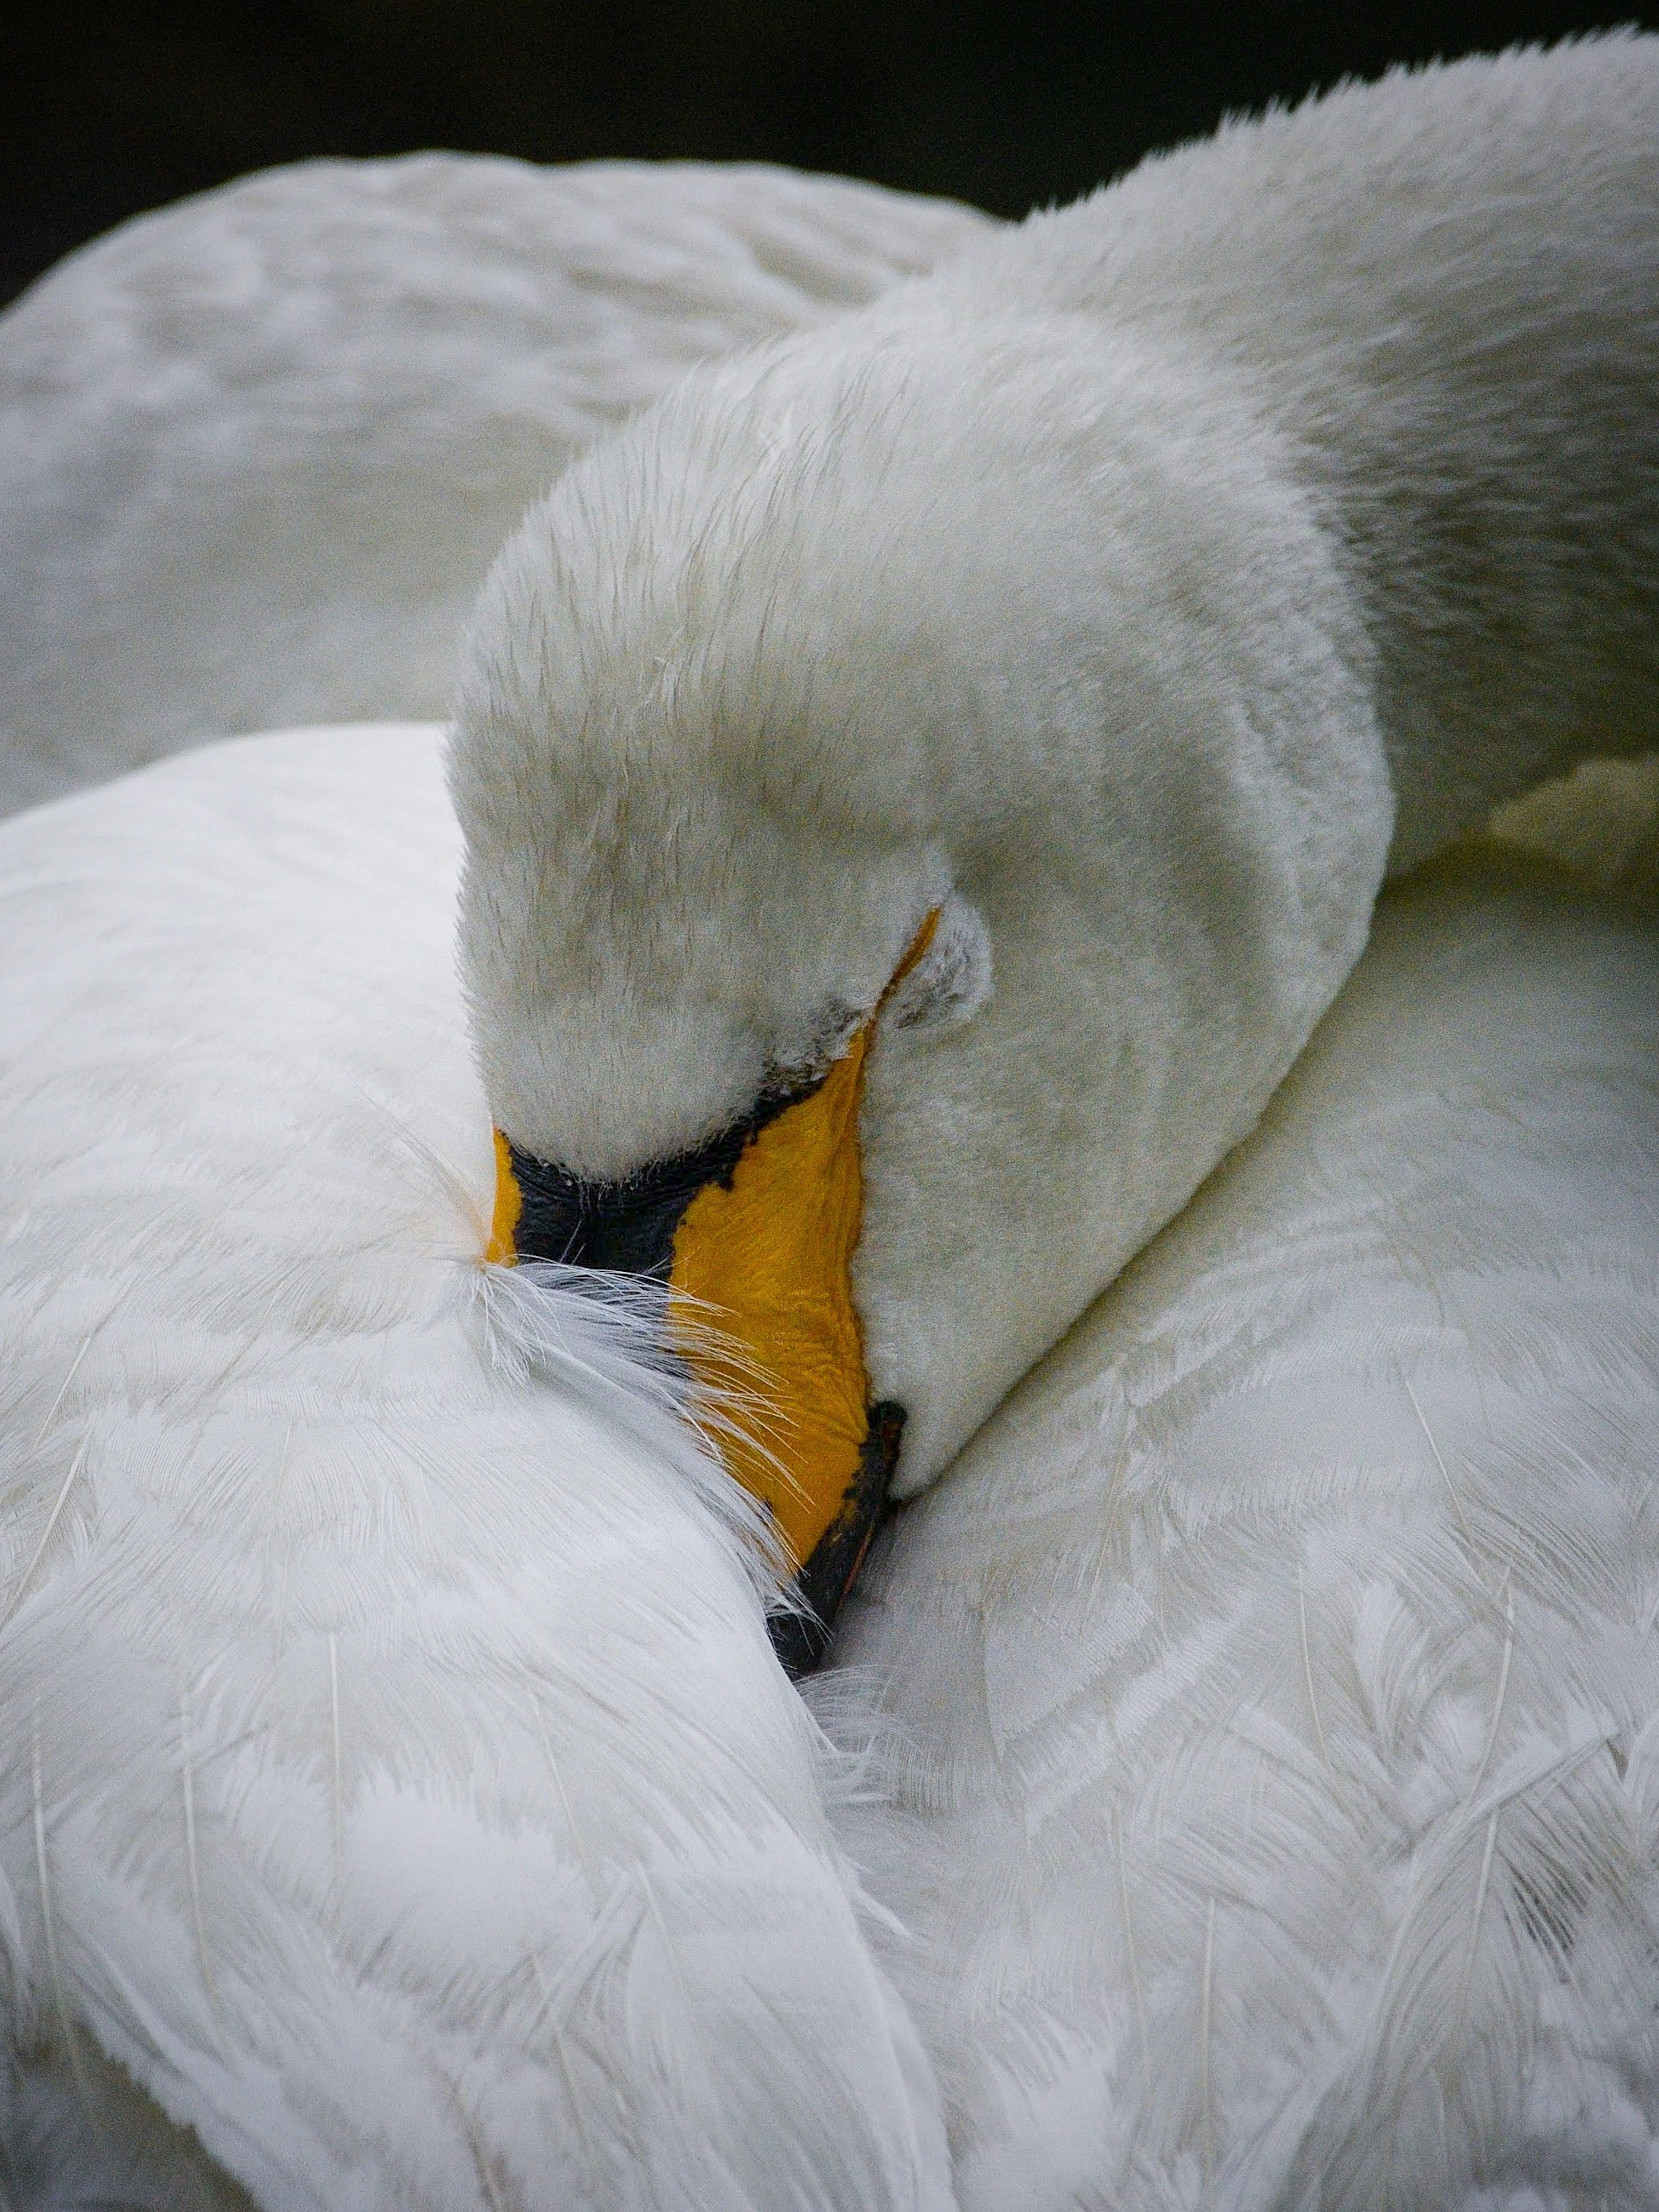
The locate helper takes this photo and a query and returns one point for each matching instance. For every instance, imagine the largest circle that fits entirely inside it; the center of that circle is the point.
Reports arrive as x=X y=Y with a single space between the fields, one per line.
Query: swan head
x=931 y=762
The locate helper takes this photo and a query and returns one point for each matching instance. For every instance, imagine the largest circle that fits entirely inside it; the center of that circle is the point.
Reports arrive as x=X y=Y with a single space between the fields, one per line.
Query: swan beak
x=754 y=1235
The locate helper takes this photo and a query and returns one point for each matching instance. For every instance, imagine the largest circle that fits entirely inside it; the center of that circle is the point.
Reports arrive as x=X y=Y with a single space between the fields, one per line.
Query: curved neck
x=1439 y=290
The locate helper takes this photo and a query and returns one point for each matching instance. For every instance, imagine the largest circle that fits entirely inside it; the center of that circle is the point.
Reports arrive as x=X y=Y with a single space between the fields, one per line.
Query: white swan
x=257 y=450
x=872 y=868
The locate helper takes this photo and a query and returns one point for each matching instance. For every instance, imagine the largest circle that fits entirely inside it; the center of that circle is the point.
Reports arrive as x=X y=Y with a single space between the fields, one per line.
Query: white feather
x=1282 y=1657
x=419 y=1814
x=257 y=450
x=1251 y=1744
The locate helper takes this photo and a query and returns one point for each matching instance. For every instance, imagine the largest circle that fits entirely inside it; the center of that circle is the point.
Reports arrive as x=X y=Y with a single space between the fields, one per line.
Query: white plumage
x=1250 y=1744
x=1277 y=1808
x=397 y=1781
x=1148 y=582
x=256 y=451
x=1317 y=1557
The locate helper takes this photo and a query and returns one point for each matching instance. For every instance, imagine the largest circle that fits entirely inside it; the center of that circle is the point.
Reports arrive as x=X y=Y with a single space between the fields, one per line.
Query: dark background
x=107 y=108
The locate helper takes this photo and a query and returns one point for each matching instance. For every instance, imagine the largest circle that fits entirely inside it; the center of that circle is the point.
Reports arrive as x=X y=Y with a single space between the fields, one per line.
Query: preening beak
x=754 y=1235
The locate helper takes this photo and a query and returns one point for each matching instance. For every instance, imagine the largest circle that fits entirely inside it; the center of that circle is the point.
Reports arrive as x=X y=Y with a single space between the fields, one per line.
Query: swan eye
x=798 y=1077
x=952 y=980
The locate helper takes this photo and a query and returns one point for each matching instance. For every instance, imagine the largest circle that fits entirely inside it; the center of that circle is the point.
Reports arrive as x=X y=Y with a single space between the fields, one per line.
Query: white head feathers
x=813 y=648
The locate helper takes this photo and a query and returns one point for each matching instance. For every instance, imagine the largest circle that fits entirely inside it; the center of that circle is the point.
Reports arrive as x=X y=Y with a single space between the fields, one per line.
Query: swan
x=638 y=777
x=258 y=450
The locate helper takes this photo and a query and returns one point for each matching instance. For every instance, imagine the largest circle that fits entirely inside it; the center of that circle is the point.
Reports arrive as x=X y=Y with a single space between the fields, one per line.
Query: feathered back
x=257 y=450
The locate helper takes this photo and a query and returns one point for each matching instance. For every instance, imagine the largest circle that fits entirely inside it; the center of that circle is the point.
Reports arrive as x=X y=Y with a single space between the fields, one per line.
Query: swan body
x=1248 y=1744
x=1131 y=594
x=1274 y=1677
x=257 y=450
x=398 y=1786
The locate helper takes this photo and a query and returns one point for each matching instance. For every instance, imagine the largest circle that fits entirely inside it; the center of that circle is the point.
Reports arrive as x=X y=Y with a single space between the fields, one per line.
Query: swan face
x=918 y=616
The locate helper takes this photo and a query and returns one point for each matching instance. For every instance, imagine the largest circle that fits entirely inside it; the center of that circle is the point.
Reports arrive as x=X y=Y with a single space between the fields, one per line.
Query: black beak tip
x=802 y=1639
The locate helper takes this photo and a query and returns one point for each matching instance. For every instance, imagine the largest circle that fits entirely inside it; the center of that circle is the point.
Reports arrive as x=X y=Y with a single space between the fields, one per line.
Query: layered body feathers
x=1276 y=1673
x=1250 y=1739
x=398 y=1782
x=257 y=450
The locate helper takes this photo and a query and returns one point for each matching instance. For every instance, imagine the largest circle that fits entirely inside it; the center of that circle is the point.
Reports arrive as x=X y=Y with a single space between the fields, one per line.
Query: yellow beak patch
x=766 y=1260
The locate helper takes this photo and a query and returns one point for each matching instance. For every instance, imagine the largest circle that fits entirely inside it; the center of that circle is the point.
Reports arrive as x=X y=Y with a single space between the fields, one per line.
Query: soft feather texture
x=1331 y=1524
x=397 y=1781
x=1151 y=578
x=256 y=451
x=1442 y=291
x=1277 y=1786
x=420 y=1814
x=1602 y=822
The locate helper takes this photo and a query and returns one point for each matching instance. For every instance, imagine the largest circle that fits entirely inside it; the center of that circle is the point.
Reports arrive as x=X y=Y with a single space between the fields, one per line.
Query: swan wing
x=257 y=450
x=398 y=1787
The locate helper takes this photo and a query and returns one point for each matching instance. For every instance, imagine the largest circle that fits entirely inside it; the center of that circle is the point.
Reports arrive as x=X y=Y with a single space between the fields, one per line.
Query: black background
x=105 y=109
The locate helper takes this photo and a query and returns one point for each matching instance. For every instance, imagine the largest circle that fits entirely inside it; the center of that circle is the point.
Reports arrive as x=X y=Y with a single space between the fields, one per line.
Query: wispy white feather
x=403 y=1524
